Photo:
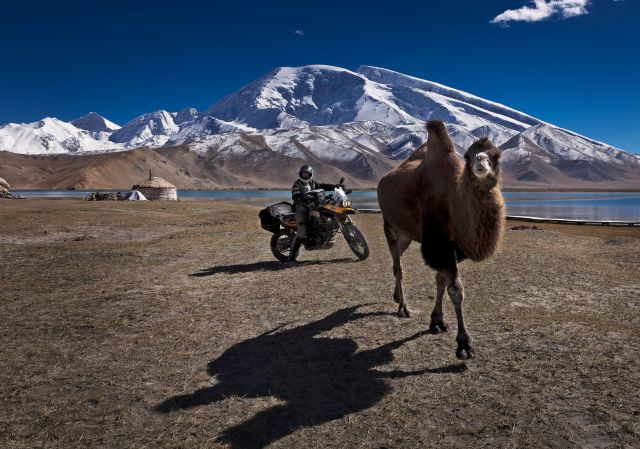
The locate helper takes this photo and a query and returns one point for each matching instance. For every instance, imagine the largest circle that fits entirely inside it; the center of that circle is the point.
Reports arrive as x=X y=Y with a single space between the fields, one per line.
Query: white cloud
x=543 y=9
x=299 y=32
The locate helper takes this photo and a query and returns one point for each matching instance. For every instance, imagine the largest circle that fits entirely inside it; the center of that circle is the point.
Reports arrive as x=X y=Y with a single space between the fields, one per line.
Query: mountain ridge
x=359 y=123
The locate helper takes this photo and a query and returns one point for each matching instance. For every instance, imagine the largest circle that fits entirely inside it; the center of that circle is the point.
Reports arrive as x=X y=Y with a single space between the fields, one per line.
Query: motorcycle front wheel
x=281 y=245
x=355 y=240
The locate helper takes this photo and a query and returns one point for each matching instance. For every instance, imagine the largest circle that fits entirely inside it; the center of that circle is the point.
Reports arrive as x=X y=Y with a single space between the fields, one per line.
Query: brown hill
x=216 y=169
x=183 y=168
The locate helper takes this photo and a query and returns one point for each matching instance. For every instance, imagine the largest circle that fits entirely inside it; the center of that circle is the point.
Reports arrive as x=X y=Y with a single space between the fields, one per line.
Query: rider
x=303 y=184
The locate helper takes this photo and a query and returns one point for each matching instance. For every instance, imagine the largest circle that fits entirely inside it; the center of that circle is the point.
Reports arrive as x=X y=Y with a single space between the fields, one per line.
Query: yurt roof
x=4 y=183
x=157 y=183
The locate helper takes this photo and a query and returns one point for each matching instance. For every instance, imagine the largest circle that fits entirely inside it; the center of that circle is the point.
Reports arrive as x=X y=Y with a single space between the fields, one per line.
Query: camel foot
x=464 y=350
x=438 y=326
x=403 y=311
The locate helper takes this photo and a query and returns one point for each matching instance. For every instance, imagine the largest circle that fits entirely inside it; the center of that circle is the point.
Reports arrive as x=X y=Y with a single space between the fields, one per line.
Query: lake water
x=624 y=206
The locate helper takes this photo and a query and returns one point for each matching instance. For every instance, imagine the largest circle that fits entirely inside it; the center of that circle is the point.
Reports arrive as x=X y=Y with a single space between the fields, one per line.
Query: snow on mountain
x=205 y=126
x=325 y=95
x=570 y=146
x=553 y=143
x=356 y=122
x=329 y=149
x=185 y=115
x=551 y=155
x=170 y=128
x=51 y=136
x=152 y=130
x=319 y=95
x=94 y=122
x=391 y=78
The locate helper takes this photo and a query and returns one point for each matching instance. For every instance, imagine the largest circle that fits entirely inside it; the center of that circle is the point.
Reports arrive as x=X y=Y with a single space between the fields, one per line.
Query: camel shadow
x=320 y=379
x=264 y=266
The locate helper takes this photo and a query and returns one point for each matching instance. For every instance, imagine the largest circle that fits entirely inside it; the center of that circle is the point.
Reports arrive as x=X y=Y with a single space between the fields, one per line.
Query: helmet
x=306 y=169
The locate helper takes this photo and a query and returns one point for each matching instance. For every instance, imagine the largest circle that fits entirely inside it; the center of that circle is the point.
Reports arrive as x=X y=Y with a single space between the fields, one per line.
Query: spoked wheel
x=281 y=245
x=355 y=240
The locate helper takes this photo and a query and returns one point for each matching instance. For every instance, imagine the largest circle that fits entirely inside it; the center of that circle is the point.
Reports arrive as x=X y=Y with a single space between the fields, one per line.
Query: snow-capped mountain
x=318 y=95
x=53 y=136
x=359 y=123
x=324 y=95
x=152 y=129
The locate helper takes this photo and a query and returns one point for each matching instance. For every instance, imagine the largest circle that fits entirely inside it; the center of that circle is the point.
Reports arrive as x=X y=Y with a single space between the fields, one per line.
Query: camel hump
x=438 y=137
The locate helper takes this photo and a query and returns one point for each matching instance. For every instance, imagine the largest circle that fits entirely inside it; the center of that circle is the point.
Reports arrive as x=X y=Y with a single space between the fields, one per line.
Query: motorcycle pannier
x=271 y=216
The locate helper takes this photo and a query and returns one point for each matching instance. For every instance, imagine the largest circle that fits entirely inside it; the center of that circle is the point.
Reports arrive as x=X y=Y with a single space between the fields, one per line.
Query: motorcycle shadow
x=265 y=266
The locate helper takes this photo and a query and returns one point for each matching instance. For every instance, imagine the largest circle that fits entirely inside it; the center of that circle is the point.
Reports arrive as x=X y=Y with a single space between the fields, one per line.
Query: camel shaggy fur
x=454 y=210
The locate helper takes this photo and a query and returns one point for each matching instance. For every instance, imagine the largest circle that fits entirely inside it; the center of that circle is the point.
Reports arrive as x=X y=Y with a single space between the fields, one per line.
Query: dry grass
x=171 y=325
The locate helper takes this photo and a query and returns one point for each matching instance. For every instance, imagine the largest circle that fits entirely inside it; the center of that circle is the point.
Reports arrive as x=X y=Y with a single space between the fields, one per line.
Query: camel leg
x=456 y=293
x=437 y=324
x=397 y=246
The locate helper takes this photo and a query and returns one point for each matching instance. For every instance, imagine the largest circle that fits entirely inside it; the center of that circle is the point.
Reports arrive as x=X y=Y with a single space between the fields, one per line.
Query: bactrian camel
x=454 y=210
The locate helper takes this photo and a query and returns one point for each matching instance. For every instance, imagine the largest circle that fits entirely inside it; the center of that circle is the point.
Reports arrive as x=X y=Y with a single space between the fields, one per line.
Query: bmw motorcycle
x=329 y=214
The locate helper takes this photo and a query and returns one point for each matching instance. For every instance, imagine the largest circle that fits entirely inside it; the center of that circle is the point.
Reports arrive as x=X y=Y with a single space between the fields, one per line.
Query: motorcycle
x=329 y=213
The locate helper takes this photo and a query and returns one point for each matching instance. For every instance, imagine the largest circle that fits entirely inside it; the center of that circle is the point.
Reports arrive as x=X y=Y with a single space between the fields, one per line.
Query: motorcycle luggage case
x=271 y=216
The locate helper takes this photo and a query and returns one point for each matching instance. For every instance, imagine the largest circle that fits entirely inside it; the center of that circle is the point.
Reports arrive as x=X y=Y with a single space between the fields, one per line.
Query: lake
x=623 y=206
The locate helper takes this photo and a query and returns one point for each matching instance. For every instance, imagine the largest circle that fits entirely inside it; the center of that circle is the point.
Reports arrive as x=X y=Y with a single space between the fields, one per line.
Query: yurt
x=156 y=188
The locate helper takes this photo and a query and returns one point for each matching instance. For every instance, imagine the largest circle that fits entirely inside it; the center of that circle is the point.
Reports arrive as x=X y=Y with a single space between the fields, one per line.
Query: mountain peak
x=151 y=129
x=317 y=94
x=185 y=115
x=94 y=122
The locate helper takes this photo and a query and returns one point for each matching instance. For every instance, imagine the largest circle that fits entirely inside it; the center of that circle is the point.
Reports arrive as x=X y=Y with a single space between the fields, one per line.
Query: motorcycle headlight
x=346 y=203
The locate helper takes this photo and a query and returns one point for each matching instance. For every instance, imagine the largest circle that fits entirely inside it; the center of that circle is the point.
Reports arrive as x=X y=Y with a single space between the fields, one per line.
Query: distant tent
x=135 y=195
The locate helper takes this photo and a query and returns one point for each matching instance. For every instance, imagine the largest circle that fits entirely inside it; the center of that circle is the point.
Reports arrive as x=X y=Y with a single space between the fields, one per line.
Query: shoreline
x=259 y=201
x=576 y=227
x=270 y=189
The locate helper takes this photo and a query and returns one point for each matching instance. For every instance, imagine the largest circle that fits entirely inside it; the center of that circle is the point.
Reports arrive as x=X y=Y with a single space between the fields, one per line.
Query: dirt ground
x=171 y=325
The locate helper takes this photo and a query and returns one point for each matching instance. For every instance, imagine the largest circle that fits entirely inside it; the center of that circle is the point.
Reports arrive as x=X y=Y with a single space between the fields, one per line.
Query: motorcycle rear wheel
x=281 y=245
x=355 y=240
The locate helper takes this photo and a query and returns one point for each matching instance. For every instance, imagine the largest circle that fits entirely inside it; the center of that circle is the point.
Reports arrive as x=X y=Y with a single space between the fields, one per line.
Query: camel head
x=482 y=163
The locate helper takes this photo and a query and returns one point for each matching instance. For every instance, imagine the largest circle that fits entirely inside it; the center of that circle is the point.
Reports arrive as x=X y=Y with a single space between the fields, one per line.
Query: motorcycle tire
x=355 y=240
x=281 y=245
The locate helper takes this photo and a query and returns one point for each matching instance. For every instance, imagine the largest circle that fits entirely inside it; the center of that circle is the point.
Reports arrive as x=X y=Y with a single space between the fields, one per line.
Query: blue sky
x=573 y=63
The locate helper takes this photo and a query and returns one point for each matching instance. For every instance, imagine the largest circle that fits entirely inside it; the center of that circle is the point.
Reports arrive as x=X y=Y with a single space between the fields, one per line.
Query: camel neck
x=479 y=219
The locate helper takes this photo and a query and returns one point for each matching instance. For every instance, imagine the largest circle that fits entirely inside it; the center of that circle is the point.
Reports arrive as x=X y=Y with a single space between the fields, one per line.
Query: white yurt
x=156 y=188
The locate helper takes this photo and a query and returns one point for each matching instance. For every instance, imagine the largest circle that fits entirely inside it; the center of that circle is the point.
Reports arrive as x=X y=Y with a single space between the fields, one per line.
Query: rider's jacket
x=301 y=186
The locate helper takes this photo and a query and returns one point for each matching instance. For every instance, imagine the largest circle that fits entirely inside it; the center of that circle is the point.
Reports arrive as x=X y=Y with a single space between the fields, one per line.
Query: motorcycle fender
x=340 y=210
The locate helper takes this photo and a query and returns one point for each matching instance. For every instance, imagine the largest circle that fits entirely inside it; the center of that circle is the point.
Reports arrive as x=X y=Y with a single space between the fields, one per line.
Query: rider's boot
x=295 y=249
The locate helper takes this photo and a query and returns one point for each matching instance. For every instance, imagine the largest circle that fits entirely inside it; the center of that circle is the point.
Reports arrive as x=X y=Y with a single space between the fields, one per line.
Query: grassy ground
x=171 y=325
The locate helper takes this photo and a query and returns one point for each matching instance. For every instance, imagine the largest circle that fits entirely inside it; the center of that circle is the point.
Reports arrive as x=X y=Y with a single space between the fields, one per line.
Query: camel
x=454 y=210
